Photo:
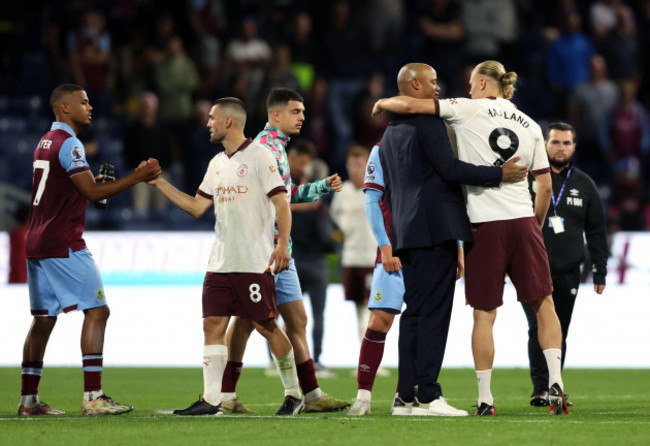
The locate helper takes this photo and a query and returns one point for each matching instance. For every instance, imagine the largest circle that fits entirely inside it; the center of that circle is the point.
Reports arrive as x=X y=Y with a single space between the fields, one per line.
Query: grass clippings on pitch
x=610 y=406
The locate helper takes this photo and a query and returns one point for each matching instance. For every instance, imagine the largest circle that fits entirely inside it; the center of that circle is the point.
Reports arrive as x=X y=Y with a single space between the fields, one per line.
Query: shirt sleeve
x=375 y=216
x=374 y=178
x=309 y=192
x=206 y=188
x=456 y=110
x=72 y=156
x=539 y=164
x=268 y=174
x=596 y=235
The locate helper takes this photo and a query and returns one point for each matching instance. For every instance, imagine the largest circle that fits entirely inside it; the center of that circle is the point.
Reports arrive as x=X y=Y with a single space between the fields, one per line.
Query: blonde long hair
x=496 y=71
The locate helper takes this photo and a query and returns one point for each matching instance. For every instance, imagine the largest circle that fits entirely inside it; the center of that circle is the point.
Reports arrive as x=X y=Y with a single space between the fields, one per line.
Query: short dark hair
x=235 y=108
x=282 y=96
x=303 y=147
x=561 y=126
x=231 y=102
x=63 y=90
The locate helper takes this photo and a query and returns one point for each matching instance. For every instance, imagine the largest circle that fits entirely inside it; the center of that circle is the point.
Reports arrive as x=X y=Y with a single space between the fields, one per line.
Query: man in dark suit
x=422 y=178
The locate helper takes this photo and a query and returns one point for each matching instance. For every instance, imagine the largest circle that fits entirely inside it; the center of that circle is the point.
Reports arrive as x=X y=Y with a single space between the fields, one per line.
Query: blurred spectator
x=359 y=245
x=568 y=59
x=589 y=103
x=343 y=63
x=370 y=129
x=302 y=50
x=176 y=79
x=158 y=40
x=317 y=121
x=617 y=42
x=89 y=49
x=144 y=139
x=626 y=128
x=628 y=211
x=443 y=33
x=384 y=20
x=251 y=56
x=198 y=150
x=17 y=246
x=488 y=24
x=311 y=232
x=208 y=19
x=280 y=74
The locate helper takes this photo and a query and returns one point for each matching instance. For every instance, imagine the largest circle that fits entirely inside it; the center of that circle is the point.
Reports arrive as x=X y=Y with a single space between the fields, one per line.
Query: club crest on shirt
x=242 y=170
x=77 y=153
x=99 y=294
x=371 y=168
x=379 y=295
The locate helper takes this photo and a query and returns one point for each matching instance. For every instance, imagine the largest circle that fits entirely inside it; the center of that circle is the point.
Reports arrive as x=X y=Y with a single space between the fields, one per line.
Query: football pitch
x=610 y=406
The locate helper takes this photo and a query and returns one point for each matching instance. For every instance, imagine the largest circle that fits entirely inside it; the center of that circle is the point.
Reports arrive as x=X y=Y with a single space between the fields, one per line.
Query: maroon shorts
x=247 y=295
x=513 y=247
x=357 y=282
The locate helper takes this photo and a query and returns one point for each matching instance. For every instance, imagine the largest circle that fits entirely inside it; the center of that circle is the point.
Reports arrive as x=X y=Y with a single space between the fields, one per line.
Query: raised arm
x=310 y=192
x=85 y=181
x=405 y=105
x=195 y=206
x=543 y=196
x=280 y=254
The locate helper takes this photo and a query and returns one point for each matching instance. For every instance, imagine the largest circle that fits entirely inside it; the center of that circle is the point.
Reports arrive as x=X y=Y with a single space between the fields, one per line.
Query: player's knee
x=380 y=321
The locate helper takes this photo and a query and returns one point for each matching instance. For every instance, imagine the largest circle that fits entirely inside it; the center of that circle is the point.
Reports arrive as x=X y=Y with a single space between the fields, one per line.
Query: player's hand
x=149 y=170
x=599 y=289
x=334 y=181
x=513 y=173
x=391 y=264
x=461 y=263
x=280 y=256
x=377 y=108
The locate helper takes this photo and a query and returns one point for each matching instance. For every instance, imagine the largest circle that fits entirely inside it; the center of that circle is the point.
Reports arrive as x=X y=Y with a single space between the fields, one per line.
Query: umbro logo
x=574 y=192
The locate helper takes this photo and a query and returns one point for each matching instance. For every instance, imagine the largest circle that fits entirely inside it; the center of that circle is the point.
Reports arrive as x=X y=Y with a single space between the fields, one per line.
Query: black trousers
x=565 y=291
x=430 y=281
x=314 y=277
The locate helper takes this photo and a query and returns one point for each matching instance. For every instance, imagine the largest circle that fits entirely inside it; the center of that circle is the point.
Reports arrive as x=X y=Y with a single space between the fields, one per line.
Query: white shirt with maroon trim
x=490 y=131
x=241 y=185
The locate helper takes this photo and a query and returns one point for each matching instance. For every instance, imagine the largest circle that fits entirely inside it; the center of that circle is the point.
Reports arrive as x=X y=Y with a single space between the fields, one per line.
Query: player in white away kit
x=244 y=185
x=506 y=231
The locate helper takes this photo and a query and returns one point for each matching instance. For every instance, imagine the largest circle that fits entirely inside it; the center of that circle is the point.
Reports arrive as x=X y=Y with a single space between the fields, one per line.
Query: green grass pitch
x=610 y=407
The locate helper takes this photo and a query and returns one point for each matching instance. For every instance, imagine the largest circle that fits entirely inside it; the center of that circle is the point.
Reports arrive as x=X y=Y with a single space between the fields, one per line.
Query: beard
x=560 y=164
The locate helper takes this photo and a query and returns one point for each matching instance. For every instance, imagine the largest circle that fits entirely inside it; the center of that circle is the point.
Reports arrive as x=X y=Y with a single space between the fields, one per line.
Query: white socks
x=288 y=374
x=215 y=358
x=313 y=395
x=483 y=378
x=93 y=395
x=363 y=394
x=554 y=363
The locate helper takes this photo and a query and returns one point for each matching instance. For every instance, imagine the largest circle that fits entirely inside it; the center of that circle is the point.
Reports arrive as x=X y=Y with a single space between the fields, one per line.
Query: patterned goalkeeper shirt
x=274 y=140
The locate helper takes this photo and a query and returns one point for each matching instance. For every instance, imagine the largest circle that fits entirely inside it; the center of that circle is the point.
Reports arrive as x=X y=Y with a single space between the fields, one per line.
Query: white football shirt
x=240 y=186
x=489 y=132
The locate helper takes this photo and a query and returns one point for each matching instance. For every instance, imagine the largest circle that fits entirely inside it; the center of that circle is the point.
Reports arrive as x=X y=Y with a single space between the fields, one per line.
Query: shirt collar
x=276 y=132
x=62 y=126
x=240 y=148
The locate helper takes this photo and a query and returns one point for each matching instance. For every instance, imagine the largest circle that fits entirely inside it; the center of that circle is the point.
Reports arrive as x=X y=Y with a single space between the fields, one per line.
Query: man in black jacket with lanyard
x=575 y=209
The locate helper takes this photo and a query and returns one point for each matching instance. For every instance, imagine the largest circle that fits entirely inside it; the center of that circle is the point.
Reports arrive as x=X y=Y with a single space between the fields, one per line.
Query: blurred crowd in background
x=153 y=68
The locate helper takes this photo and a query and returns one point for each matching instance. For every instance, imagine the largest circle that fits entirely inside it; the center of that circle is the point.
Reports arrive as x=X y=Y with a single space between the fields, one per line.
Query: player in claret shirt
x=61 y=273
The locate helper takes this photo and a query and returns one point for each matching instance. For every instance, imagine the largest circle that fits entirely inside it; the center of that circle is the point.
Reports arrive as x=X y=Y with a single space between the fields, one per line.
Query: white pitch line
x=549 y=419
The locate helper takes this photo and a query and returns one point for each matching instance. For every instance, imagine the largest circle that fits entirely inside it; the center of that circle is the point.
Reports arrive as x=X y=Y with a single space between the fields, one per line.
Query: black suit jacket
x=422 y=177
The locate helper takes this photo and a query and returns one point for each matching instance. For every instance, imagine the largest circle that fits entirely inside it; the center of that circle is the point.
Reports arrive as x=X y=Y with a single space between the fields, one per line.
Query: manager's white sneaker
x=437 y=408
